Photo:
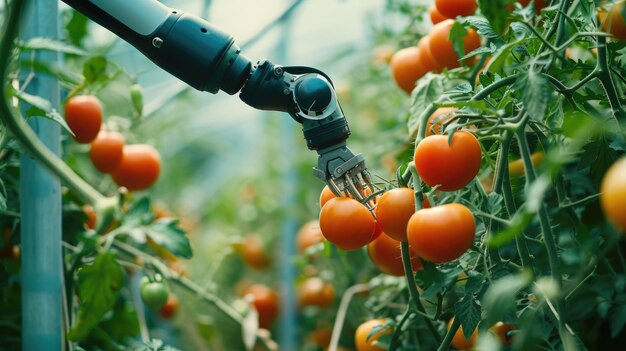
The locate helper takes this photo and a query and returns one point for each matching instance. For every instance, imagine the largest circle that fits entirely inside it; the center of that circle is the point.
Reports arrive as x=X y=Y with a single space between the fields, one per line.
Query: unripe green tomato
x=153 y=293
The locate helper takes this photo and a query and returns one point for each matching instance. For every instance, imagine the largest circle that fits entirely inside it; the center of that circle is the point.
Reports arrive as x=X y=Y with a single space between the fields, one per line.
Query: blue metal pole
x=289 y=317
x=41 y=200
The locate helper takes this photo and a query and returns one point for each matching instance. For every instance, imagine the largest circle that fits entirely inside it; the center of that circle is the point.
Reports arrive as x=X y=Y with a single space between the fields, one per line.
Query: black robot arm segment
x=208 y=59
x=184 y=45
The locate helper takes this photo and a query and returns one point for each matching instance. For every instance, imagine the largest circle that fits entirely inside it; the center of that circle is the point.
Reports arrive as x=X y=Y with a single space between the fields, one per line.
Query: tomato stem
x=454 y=327
x=397 y=331
x=606 y=80
x=486 y=91
x=413 y=292
x=188 y=285
x=24 y=134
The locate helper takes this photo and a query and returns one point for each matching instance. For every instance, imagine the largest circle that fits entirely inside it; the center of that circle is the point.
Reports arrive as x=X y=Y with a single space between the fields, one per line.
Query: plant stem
x=190 y=286
x=395 y=337
x=24 y=134
x=445 y=344
x=342 y=311
x=544 y=222
x=413 y=292
x=493 y=87
x=606 y=80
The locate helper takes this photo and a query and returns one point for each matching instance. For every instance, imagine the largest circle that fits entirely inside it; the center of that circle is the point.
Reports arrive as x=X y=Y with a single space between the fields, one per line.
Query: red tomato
x=107 y=150
x=393 y=211
x=347 y=223
x=253 y=252
x=406 y=68
x=539 y=4
x=454 y=8
x=83 y=115
x=435 y=15
x=362 y=335
x=502 y=332
x=386 y=255
x=265 y=301
x=171 y=307
x=441 y=46
x=139 y=168
x=441 y=233
x=452 y=166
x=326 y=195
x=315 y=292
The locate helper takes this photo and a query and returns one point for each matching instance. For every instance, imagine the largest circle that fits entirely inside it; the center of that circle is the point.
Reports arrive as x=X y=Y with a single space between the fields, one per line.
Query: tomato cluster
x=135 y=167
x=433 y=53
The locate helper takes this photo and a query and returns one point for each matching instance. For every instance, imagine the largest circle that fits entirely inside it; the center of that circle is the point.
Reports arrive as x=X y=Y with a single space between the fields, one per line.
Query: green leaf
x=536 y=94
x=467 y=310
x=98 y=288
x=427 y=90
x=598 y=156
x=166 y=232
x=536 y=192
x=495 y=203
x=482 y=26
x=500 y=299
x=94 y=69
x=123 y=322
x=139 y=213
x=51 y=45
x=76 y=27
x=494 y=11
x=41 y=107
x=499 y=59
x=457 y=36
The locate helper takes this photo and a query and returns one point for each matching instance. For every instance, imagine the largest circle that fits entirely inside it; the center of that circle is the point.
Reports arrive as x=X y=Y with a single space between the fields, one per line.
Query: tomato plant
x=139 y=168
x=449 y=164
x=441 y=233
x=106 y=151
x=347 y=223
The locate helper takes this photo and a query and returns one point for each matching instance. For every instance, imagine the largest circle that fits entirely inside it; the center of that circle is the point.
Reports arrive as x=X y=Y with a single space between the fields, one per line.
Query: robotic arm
x=207 y=59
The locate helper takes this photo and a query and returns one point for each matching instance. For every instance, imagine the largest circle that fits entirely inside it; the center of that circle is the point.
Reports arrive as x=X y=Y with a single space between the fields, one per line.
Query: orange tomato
x=502 y=332
x=315 y=292
x=265 y=301
x=613 y=193
x=363 y=343
x=406 y=68
x=393 y=211
x=441 y=46
x=107 y=150
x=139 y=168
x=386 y=255
x=436 y=121
x=539 y=4
x=321 y=337
x=613 y=22
x=425 y=56
x=435 y=15
x=347 y=223
x=451 y=166
x=83 y=115
x=253 y=252
x=454 y=8
x=326 y=195
x=517 y=169
x=459 y=341
x=309 y=235
x=441 y=233
x=90 y=223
